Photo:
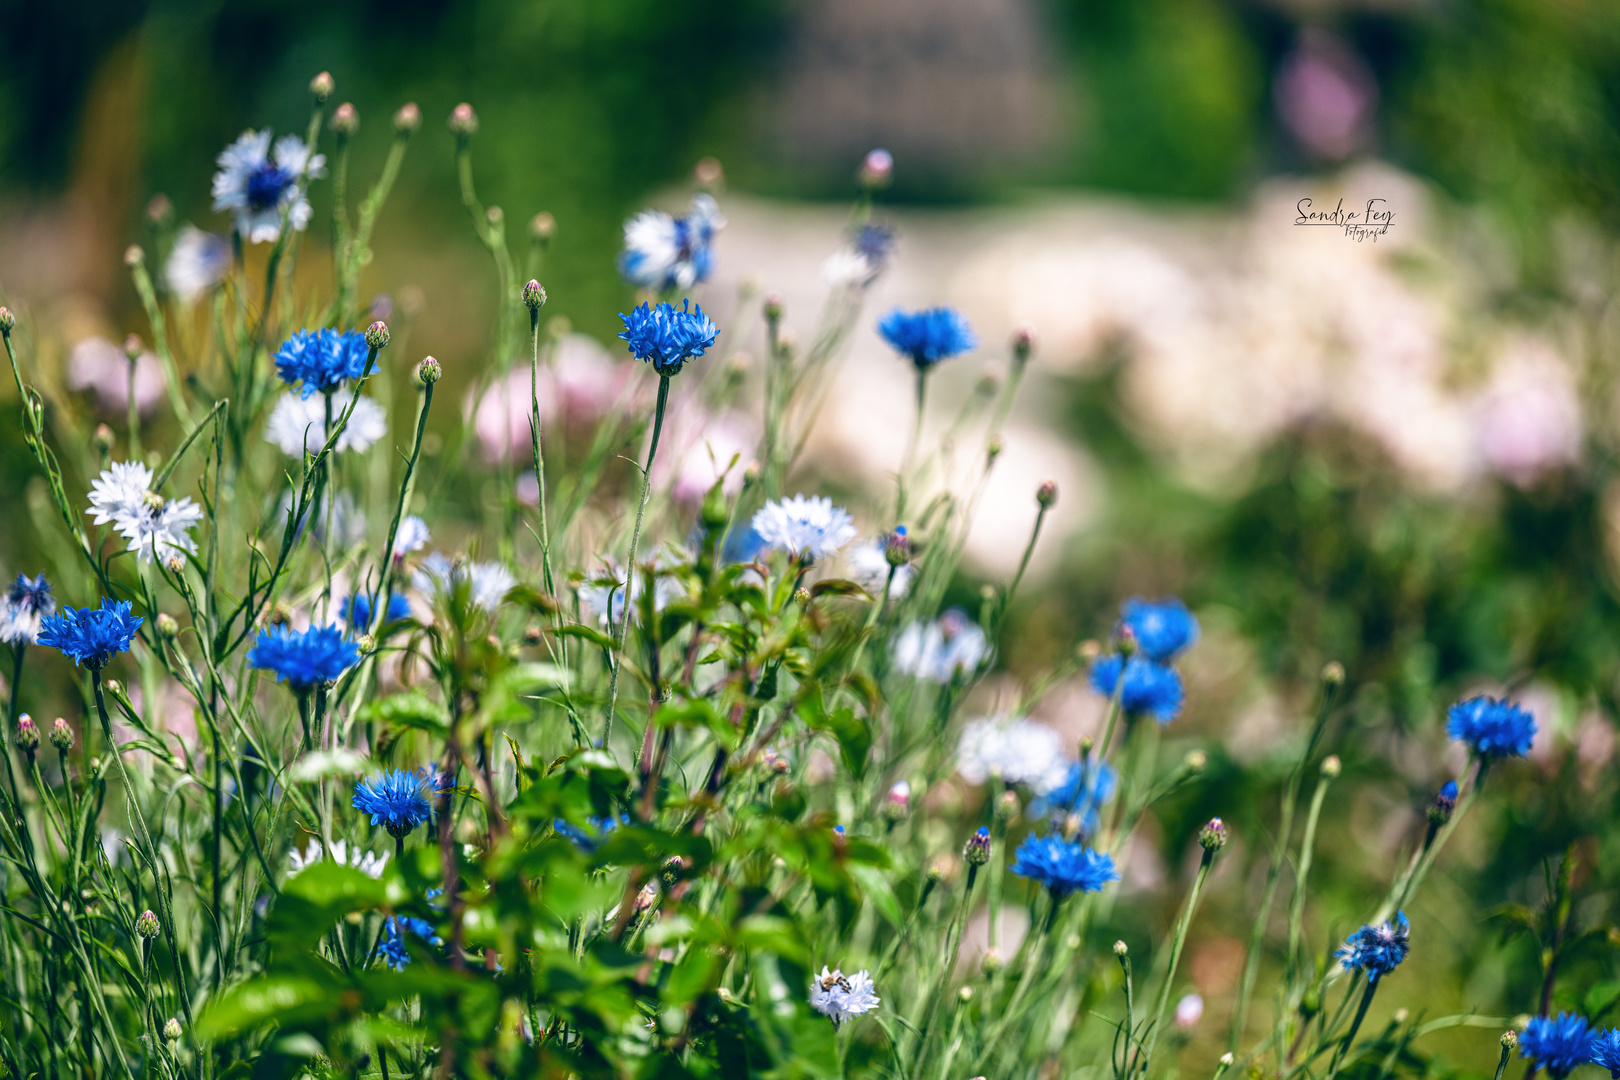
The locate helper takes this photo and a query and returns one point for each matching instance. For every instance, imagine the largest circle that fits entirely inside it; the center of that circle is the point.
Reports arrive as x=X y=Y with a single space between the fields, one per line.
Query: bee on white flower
x=840 y=997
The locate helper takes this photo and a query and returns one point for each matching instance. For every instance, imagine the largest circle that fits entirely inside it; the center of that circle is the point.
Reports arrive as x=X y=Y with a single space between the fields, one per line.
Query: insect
x=836 y=978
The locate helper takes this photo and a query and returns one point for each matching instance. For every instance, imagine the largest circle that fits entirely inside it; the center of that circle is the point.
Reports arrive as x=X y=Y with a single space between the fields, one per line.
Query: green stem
x=1355 y=1026
x=1307 y=850
x=911 y=447
x=1180 y=941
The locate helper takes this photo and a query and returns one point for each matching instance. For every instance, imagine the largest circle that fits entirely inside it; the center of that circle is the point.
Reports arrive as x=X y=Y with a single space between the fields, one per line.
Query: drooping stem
x=635 y=542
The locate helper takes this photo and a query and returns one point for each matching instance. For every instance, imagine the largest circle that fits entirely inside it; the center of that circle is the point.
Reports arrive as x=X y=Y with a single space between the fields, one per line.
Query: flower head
x=321 y=360
x=392 y=949
x=1492 y=727
x=1606 y=1051
x=666 y=252
x=412 y=536
x=805 y=527
x=839 y=997
x=1019 y=751
x=304 y=658
x=198 y=262
x=869 y=566
x=604 y=592
x=1377 y=950
x=22 y=606
x=256 y=183
x=298 y=423
x=927 y=337
x=486 y=583
x=91 y=637
x=397 y=800
x=1088 y=786
x=1558 y=1043
x=589 y=839
x=859 y=263
x=667 y=336
x=366 y=862
x=940 y=650
x=357 y=610
x=1063 y=866
x=1162 y=628
x=155 y=527
x=1149 y=687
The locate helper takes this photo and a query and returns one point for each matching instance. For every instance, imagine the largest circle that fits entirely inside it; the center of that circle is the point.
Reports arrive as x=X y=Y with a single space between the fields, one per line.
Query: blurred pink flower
x=1325 y=95
x=580 y=384
x=98 y=365
x=1529 y=419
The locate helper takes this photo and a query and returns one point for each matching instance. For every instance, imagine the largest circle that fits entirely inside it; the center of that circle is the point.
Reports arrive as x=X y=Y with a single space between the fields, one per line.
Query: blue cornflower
x=927 y=337
x=397 y=800
x=322 y=359
x=587 y=840
x=1377 y=950
x=1162 y=628
x=1606 y=1051
x=357 y=610
x=1149 y=687
x=91 y=637
x=743 y=545
x=667 y=336
x=666 y=252
x=1492 y=727
x=303 y=659
x=1558 y=1043
x=393 y=944
x=1063 y=866
x=22 y=606
x=1088 y=786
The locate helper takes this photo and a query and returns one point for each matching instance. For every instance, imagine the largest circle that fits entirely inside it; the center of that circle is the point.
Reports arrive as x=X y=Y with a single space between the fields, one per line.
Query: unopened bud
x=993 y=448
x=1007 y=807
x=133 y=347
x=534 y=296
x=1212 y=837
x=646 y=898
x=345 y=120
x=1444 y=803
x=897 y=803
x=114 y=687
x=1331 y=765
x=531 y=635
x=1086 y=744
x=366 y=643
x=1510 y=1039
x=166 y=625
x=428 y=371
x=102 y=438
x=1121 y=949
x=27 y=733
x=543 y=226
x=407 y=118
x=1023 y=342
x=61 y=735
x=1333 y=673
x=175 y=563
x=801 y=596
x=134 y=256
x=1401 y=1016
x=377 y=335
x=751 y=473
x=463 y=121
x=774 y=761
x=171 y=1030
x=322 y=86
x=147 y=924
x=1310 y=1004
x=965 y=994
x=708 y=172
x=1227 y=1059
x=877 y=169
x=8 y=321
x=976 y=852
x=158 y=209
x=992 y=962
x=1196 y=761
x=1046 y=494
x=897 y=547
x=772 y=307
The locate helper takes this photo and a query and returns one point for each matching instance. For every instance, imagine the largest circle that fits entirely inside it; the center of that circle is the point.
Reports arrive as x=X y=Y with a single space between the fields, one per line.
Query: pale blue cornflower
x=927 y=337
x=806 y=527
x=667 y=336
x=861 y=262
x=298 y=424
x=304 y=659
x=1150 y=688
x=939 y=651
x=1018 y=750
x=320 y=360
x=398 y=800
x=1491 y=727
x=486 y=584
x=91 y=637
x=1063 y=866
x=666 y=252
x=412 y=535
x=1377 y=950
x=1558 y=1043
x=22 y=608
x=841 y=997
x=256 y=183
x=199 y=261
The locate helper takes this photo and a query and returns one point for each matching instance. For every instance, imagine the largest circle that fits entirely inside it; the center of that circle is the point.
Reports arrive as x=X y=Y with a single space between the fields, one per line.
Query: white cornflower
x=664 y=252
x=412 y=535
x=1189 y=1010
x=803 y=526
x=869 y=567
x=937 y=651
x=256 y=183
x=1019 y=751
x=154 y=526
x=298 y=424
x=839 y=997
x=858 y=265
x=608 y=582
x=200 y=260
x=487 y=583
x=364 y=861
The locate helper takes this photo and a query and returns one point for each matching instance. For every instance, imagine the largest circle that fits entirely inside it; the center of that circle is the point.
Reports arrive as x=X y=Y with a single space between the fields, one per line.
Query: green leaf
x=878 y=891
x=324 y=764
x=586 y=633
x=699 y=712
x=839 y=587
x=272 y=998
x=412 y=709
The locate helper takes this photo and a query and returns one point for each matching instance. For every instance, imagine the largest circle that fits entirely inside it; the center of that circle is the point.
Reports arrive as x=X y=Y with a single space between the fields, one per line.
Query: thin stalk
x=1023 y=565
x=1180 y=941
x=1307 y=849
x=635 y=542
x=1355 y=1026
x=911 y=447
x=539 y=455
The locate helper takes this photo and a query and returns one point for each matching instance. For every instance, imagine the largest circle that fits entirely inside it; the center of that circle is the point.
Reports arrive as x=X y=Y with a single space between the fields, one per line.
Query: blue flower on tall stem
x=1062 y=865
x=1377 y=950
x=1088 y=786
x=1492 y=727
x=320 y=360
x=304 y=659
x=1558 y=1043
x=667 y=336
x=1149 y=687
x=398 y=800
x=1162 y=628
x=927 y=337
x=357 y=610
x=90 y=637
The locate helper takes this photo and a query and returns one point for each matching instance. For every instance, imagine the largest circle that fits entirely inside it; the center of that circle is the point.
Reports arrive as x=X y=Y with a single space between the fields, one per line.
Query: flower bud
x=27 y=733
x=61 y=735
x=877 y=170
x=801 y=596
x=166 y=625
x=1331 y=766
x=377 y=335
x=322 y=86
x=133 y=347
x=1444 y=803
x=102 y=439
x=965 y=994
x=134 y=256
x=897 y=547
x=1401 y=1015
x=114 y=687
x=774 y=761
x=407 y=118
x=1046 y=494
x=175 y=563
x=8 y=321
x=1510 y=1039
x=1121 y=949
x=646 y=898
x=158 y=209
x=1212 y=837
x=1310 y=1004
x=1007 y=807
x=991 y=962
x=494 y=215
x=531 y=635
x=772 y=307
x=751 y=473
x=1227 y=1059
x=147 y=924
x=428 y=371
x=1333 y=673
x=543 y=226
x=345 y=120
x=463 y=121
x=1196 y=761
x=171 y=1030
x=534 y=296
x=366 y=643
x=993 y=448
x=708 y=172
x=943 y=867
x=976 y=852
x=1023 y=342
x=897 y=803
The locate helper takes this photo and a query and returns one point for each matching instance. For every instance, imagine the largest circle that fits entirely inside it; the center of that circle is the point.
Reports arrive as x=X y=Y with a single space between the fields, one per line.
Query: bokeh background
x=1397 y=453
